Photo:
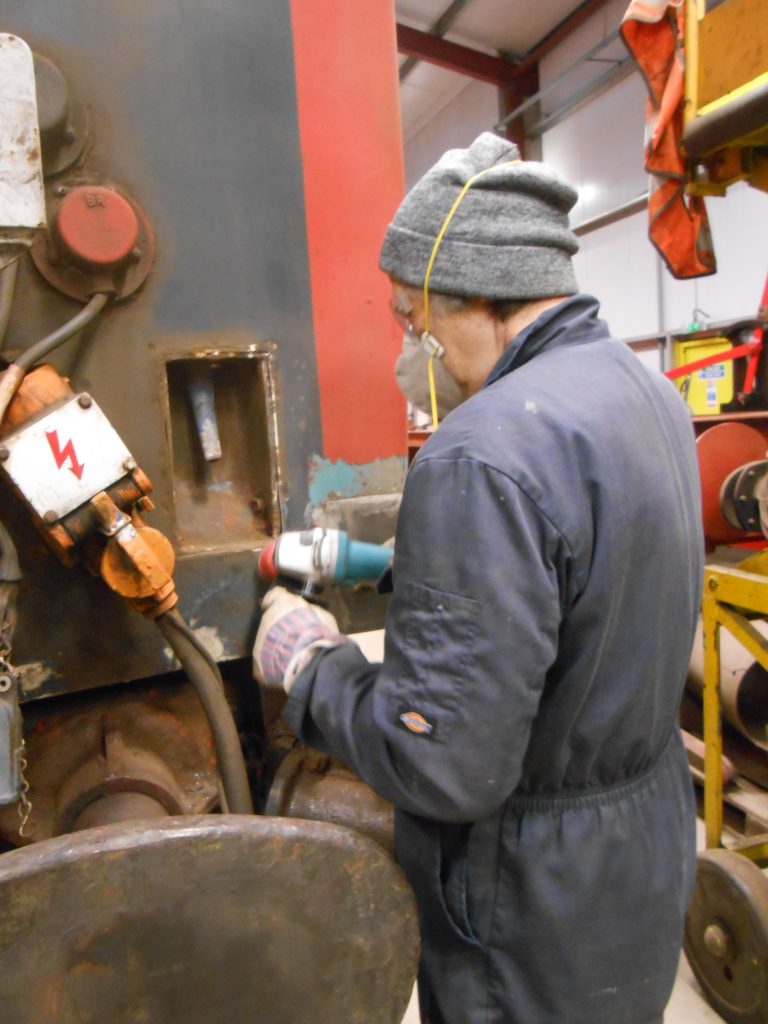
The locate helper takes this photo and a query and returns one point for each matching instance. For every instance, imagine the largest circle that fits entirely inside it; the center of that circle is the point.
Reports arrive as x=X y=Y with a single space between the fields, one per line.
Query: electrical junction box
x=63 y=458
x=708 y=389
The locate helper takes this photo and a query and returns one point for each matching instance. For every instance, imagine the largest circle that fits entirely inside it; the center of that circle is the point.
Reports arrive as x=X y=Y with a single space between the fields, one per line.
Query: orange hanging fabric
x=653 y=33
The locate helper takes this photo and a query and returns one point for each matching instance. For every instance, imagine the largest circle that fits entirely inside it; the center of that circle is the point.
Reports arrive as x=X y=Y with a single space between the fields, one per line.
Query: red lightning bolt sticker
x=62 y=454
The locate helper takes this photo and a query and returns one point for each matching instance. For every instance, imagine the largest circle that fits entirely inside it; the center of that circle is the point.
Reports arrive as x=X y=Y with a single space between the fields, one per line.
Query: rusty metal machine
x=165 y=412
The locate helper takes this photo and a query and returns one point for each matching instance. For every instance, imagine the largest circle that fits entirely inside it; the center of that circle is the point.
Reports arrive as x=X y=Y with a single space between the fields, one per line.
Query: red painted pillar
x=351 y=141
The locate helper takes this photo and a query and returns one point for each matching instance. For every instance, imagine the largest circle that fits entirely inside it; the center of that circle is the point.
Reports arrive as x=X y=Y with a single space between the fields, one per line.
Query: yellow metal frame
x=731 y=596
x=740 y=159
x=694 y=12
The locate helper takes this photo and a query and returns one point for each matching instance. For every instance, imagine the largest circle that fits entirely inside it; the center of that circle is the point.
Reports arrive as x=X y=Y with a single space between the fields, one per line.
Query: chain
x=8 y=677
x=25 y=804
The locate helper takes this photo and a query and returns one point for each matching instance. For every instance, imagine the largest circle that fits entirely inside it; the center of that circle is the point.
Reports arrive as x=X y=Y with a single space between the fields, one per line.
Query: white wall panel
x=565 y=56
x=475 y=109
x=618 y=266
x=599 y=149
x=650 y=358
x=424 y=93
x=739 y=224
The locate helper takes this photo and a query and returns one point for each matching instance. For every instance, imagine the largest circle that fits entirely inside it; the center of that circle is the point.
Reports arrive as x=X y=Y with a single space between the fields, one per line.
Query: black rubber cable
x=203 y=673
x=68 y=330
x=194 y=639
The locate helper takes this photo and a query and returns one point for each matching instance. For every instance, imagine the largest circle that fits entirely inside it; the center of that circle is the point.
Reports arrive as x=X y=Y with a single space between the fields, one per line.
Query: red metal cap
x=267 y=564
x=96 y=226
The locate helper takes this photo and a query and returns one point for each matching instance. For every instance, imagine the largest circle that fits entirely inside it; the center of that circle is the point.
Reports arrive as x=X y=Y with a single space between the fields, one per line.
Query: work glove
x=290 y=633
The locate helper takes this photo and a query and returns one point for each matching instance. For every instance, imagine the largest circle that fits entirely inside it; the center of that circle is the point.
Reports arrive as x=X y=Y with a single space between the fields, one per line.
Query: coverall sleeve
x=441 y=727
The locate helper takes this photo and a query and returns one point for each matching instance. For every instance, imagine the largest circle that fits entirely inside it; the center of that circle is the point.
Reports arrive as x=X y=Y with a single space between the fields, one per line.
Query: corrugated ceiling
x=510 y=26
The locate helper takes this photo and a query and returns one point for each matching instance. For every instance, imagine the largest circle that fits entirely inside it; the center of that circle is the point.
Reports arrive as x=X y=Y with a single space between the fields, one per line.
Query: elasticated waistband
x=564 y=800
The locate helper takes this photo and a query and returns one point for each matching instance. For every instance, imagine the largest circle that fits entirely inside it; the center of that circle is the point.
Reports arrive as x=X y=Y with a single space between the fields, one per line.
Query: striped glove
x=290 y=633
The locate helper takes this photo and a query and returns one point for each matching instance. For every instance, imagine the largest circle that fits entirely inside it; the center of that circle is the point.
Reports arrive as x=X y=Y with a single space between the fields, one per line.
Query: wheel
x=726 y=935
x=211 y=919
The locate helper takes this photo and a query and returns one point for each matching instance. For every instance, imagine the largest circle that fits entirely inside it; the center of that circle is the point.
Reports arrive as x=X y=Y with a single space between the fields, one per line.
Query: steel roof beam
x=560 y=32
x=473 y=63
x=439 y=28
x=433 y=49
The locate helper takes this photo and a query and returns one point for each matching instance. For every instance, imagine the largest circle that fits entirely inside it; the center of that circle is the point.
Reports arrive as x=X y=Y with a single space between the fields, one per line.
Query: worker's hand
x=291 y=631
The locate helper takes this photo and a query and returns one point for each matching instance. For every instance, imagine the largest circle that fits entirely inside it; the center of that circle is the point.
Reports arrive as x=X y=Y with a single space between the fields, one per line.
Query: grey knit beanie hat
x=508 y=239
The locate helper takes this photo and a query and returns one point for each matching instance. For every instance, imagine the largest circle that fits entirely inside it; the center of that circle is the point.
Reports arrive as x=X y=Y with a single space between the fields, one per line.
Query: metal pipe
x=116 y=808
x=562 y=31
x=557 y=80
x=312 y=786
x=203 y=673
x=743 y=684
x=43 y=348
x=620 y=70
x=660 y=304
x=602 y=220
x=7 y=289
x=203 y=398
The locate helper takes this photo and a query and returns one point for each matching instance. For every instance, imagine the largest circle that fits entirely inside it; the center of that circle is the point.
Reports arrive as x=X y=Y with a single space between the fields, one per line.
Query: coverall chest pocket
x=435 y=655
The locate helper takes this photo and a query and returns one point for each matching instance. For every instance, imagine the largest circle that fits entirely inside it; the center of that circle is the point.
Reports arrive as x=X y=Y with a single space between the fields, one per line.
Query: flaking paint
x=340 y=479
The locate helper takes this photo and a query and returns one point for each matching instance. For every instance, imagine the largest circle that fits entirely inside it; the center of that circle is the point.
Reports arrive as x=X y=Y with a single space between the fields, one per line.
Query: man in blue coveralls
x=546 y=579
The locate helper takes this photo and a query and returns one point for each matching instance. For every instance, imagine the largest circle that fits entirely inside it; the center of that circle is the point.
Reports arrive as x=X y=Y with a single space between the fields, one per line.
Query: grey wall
x=192 y=110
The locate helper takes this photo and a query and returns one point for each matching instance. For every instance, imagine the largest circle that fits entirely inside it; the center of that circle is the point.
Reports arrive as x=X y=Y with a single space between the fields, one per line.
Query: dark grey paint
x=193 y=111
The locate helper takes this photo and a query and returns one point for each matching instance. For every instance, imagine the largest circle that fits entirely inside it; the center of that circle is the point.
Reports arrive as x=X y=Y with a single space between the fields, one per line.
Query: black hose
x=42 y=348
x=196 y=642
x=203 y=673
x=7 y=289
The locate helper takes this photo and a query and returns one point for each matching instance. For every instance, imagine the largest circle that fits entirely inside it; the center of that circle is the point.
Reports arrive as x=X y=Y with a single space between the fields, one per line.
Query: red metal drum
x=720 y=450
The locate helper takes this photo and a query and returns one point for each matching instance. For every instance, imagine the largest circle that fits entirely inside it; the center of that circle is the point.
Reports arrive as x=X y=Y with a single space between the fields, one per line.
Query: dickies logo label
x=417 y=723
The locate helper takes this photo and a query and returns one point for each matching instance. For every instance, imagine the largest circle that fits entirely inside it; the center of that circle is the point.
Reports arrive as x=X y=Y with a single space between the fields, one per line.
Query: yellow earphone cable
x=444 y=228
x=433 y=390
x=430 y=264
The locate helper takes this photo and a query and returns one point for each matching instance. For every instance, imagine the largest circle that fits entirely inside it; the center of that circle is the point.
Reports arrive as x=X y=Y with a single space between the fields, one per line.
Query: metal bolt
x=69 y=135
x=61 y=190
x=713 y=584
x=750 y=473
x=50 y=517
x=85 y=401
x=4 y=453
x=129 y=465
x=136 y=255
x=716 y=941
